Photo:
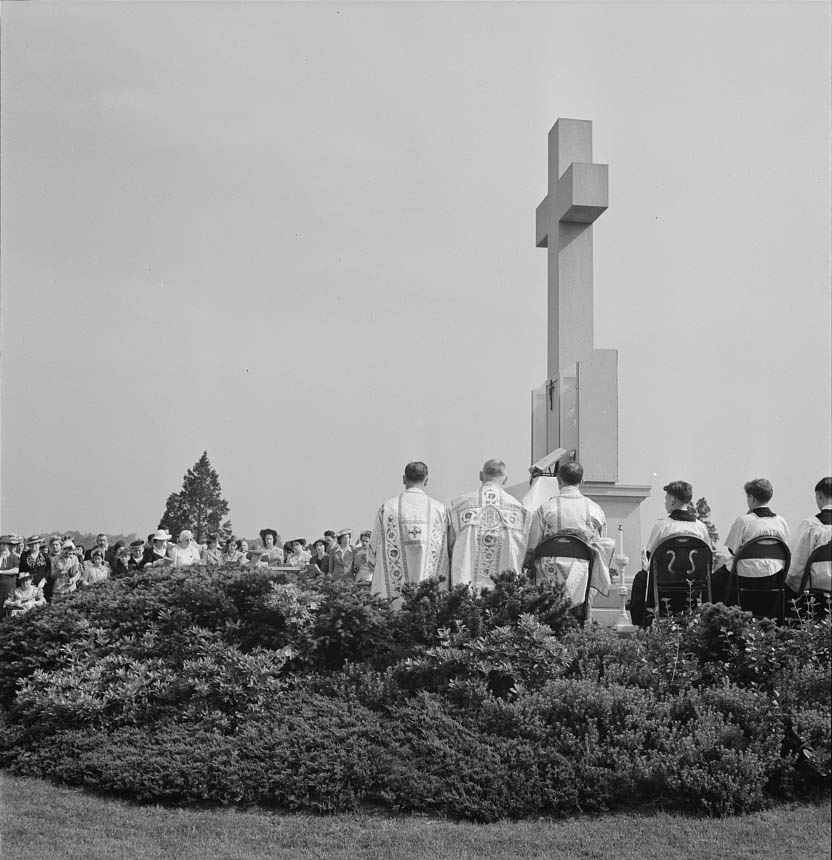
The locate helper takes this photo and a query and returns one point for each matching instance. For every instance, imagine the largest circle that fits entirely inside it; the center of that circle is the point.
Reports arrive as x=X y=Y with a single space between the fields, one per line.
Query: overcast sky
x=302 y=237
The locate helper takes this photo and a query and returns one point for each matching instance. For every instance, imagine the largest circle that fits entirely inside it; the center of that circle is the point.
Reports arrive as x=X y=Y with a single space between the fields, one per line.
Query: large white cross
x=578 y=194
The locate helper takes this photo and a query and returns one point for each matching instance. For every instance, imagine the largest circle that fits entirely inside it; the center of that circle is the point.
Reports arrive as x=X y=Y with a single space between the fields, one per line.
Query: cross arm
x=582 y=193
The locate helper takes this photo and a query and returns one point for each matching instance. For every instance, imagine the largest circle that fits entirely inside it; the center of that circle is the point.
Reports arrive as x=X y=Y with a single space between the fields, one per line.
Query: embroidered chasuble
x=409 y=542
x=488 y=533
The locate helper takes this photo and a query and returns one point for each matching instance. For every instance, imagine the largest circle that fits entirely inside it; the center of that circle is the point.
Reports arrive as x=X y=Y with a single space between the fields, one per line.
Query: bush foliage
x=232 y=686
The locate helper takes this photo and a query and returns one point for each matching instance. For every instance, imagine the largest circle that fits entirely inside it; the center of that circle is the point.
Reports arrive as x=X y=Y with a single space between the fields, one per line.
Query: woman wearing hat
x=156 y=555
x=65 y=571
x=212 y=554
x=25 y=596
x=185 y=553
x=300 y=555
x=34 y=561
x=272 y=554
x=340 y=558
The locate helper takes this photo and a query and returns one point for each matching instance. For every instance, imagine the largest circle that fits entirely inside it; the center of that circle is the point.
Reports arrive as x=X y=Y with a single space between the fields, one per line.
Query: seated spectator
x=156 y=555
x=272 y=554
x=185 y=553
x=319 y=558
x=361 y=570
x=300 y=555
x=679 y=521
x=122 y=565
x=96 y=570
x=25 y=596
x=65 y=571
x=813 y=532
x=136 y=560
x=759 y=521
x=212 y=554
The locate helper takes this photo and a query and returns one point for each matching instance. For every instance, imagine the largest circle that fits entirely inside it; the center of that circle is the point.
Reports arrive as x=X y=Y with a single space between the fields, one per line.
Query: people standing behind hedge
x=64 y=573
x=340 y=558
x=273 y=554
x=96 y=570
x=212 y=554
x=9 y=563
x=122 y=564
x=232 y=553
x=156 y=555
x=184 y=553
x=319 y=558
x=813 y=532
x=300 y=555
x=136 y=560
x=25 y=596
x=102 y=542
x=35 y=561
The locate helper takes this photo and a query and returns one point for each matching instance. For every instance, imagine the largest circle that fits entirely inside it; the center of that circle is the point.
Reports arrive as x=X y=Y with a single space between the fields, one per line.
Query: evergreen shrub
x=233 y=686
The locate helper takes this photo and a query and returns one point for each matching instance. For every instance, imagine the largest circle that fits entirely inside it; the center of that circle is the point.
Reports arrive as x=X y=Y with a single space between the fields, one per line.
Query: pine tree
x=199 y=505
x=702 y=512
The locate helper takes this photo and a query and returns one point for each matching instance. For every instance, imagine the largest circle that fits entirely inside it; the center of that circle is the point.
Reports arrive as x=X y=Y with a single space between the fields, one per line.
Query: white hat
x=161 y=534
x=68 y=544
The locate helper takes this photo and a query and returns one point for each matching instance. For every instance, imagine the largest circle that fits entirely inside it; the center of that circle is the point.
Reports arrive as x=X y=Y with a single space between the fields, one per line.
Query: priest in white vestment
x=570 y=512
x=488 y=531
x=409 y=541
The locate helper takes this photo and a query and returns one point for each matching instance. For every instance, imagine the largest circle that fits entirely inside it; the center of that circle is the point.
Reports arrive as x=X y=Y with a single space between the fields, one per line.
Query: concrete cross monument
x=575 y=412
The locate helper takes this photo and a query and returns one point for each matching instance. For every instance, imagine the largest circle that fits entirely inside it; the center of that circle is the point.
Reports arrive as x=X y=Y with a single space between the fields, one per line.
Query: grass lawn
x=41 y=821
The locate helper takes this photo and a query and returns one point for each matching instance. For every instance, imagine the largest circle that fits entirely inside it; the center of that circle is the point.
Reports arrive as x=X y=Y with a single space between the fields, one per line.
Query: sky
x=302 y=237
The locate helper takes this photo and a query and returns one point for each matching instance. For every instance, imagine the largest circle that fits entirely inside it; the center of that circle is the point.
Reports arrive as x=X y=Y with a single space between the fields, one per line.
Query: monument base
x=621 y=504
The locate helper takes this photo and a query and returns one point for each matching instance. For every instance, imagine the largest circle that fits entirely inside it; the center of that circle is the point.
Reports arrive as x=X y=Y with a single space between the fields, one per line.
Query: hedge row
x=232 y=687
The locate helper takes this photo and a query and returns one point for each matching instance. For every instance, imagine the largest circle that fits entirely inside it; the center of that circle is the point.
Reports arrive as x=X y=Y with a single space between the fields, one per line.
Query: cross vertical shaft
x=577 y=195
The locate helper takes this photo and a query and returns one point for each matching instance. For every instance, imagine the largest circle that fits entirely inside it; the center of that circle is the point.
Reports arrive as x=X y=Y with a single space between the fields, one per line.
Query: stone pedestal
x=621 y=504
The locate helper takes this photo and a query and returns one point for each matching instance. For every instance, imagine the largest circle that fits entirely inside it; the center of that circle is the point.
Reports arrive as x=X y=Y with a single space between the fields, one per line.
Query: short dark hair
x=320 y=541
x=329 y=533
x=682 y=491
x=760 y=489
x=824 y=486
x=571 y=473
x=416 y=472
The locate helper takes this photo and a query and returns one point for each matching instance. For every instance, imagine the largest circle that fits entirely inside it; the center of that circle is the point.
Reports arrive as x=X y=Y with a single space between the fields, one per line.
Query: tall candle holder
x=623 y=624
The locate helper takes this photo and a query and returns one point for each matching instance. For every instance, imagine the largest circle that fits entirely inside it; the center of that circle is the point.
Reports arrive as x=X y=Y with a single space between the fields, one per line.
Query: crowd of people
x=415 y=537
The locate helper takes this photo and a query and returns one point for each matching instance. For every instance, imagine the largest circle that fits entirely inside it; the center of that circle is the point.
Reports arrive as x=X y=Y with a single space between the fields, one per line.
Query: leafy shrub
x=235 y=686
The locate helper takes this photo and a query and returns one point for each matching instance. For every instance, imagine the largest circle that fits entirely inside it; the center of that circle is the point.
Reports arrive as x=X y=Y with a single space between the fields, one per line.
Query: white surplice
x=573 y=513
x=409 y=542
x=489 y=530
x=811 y=534
x=749 y=526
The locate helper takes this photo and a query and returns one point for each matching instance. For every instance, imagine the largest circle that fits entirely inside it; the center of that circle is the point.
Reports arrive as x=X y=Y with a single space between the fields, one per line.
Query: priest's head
x=493 y=471
x=415 y=474
x=823 y=492
x=570 y=474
